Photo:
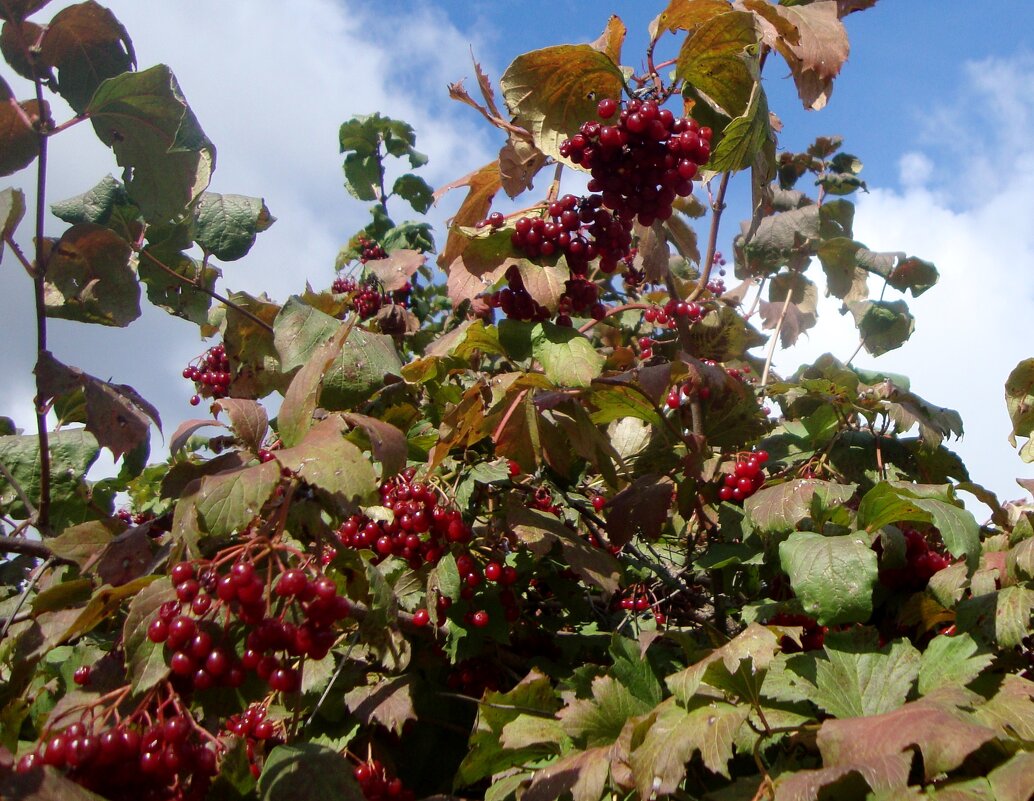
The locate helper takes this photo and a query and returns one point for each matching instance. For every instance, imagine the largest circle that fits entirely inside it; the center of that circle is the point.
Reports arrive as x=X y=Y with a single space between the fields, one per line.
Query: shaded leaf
x=653 y=252
x=145 y=660
x=389 y=445
x=881 y=773
x=19 y=143
x=715 y=61
x=86 y=44
x=248 y=419
x=640 y=509
x=296 y=412
x=1019 y=400
x=415 y=191
x=782 y=507
x=175 y=295
x=307 y=772
x=12 y=209
x=89 y=277
x=519 y=163
x=389 y=702
x=144 y=118
x=884 y=325
x=553 y=91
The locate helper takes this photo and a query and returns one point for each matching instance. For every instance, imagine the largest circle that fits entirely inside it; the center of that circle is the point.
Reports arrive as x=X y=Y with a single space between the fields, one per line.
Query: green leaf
x=176 y=296
x=146 y=664
x=296 y=412
x=86 y=44
x=782 y=507
x=226 y=225
x=781 y=239
x=897 y=502
x=89 y=278
x=1013 y=780
x=676 y=733
x=307 y=772
x=485 y=756
x=228 y=502
x=744 y=137
x=553 y=91
x=854 y=681
x=362 y=139
x=19 y=142
x=631 y=669
x=1019 y=400
x=144 y=118
x=1013 y=615
x=94 y=205
x=884 y=325
x=723 y=336
x=599 y=720
x=72 y=452
x=329 y=462
x=951 y=660
x=717 y=60
x=833 y=576
x=568 y=358
x=415 y=191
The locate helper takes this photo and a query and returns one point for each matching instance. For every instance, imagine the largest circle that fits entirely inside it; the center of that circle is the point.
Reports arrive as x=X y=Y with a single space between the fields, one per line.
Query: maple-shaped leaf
x=737 y=667
x=1011 y=711
x=935 y=724
x=674 y=732
x=553 y=91
x=957 y=659
x=782 y=507
x=388 y=702
x=486 y=755
x=854 y=679
x=599 y=720
x=686 y=15
x=583 y=774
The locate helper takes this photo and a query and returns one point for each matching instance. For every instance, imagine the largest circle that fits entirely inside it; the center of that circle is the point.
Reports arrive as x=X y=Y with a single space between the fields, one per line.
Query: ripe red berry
x=82 y=675
x=421 y=617
x=479 y=619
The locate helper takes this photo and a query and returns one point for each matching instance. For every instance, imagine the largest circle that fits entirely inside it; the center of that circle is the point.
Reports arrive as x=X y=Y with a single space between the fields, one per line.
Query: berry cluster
x=580 y=296
x=543 y=501
x=578 y=228
x=166 y=759
x=681 y=393
x=473 y=677
x=253 y=727
x=637 y=598
x=369 y=250
x=921 y=562
x=420 y=531
x=366 y=297
x=200 y=649
x=210 y=373
x=378 y=785
x=643 y=161
x=812 y=638
x=747 y=477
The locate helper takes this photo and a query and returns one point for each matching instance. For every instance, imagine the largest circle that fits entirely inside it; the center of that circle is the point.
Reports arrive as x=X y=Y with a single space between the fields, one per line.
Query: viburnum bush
x=536 y=517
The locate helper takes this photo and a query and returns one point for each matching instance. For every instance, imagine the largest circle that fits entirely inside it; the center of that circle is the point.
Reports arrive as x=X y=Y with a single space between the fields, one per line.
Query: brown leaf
x=129 y=556
x=395 y=271
x=884 y=773
x=483 y=183
x=485 y=85
x=684 y=15
x=474 y=272
x=545 y=282
x=612 y=38
x=653 y=254
x=519 y=163
x=821 y=50
x=934 y=724
x=583 y=774
x=19 y=144
x=186 y=430
x=389 y=702
x=389 y=445
x=640 y=510
x=115 y=413
x=795 y=321
x=248 y=420
x=845 y=7
x=295 y=416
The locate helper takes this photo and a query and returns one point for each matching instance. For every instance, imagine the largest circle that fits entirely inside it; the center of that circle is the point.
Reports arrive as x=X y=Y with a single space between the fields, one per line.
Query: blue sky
x=937 y=99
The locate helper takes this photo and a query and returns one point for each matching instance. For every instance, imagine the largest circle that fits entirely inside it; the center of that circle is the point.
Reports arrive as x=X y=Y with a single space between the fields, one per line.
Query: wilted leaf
x=248 y=419
x=116 y=414
x=19 y=143
x=12 y=209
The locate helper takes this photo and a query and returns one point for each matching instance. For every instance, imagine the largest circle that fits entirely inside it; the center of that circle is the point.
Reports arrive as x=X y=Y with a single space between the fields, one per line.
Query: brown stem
x=26 y=547
x=211 y=293
x=17 y=251
x=39 y=287
x=22 y=495
x=717 y=207
x=612 y=311
x=24 y=596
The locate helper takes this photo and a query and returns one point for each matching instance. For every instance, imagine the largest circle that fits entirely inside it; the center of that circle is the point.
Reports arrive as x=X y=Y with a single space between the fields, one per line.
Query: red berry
x=421 y=617
x=479 y=619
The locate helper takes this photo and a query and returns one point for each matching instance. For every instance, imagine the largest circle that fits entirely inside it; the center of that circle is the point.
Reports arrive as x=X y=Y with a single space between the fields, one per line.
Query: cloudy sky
x=939 y=105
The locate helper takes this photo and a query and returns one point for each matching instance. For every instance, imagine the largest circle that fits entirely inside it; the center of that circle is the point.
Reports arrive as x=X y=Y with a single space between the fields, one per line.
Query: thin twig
x=211 y=293
x=717 y=207
x=22 y=496
x=17 y=251
x=613 y=310
x=25 y=594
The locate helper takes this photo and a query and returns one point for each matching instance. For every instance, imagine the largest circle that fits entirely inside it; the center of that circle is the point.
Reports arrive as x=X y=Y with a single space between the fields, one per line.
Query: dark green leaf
x=176 y=295
x=307 y=772
x=94 y=205
x=226 y=225
x=145 y=660
x=884 y=325
x=415 y=191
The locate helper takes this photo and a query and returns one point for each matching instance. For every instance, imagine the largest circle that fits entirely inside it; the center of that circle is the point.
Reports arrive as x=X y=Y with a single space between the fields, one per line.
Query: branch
x=775 y=340
x=211 y=293
x=21 y=601
x=17 y=251
x=717 y=207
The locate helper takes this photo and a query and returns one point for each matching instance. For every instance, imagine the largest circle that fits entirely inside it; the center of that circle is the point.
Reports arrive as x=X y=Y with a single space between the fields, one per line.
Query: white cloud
x=270 y=83
x=965 y=204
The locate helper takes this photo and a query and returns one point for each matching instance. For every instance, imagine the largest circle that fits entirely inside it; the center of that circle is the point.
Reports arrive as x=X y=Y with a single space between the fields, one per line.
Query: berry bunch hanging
x=921 y=562
x=211 y=374
x=747 y=477
x=641 y=162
